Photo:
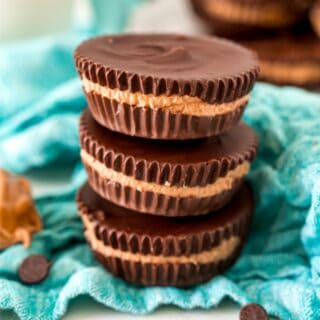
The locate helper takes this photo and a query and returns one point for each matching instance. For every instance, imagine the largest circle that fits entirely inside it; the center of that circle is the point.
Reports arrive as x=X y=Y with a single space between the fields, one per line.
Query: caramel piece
x=18 y=215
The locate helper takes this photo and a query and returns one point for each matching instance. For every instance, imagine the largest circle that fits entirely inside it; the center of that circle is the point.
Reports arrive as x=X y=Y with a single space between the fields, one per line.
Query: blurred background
x=33 y=18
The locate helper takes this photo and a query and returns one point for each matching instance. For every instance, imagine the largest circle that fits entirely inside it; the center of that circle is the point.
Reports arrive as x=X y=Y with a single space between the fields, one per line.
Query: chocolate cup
x=166 y=65
x=157 y=163
x=169 y=64
x=289 y=51
x=145 y=236
x=240 y=30
x=157 y=203
x=151 y=123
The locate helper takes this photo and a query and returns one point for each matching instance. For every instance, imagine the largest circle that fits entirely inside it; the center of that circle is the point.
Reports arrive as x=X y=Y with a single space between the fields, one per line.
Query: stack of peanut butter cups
x=166 y=155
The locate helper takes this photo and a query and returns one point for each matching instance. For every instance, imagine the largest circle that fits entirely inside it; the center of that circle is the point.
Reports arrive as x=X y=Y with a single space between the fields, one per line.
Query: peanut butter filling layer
x=282 y=72
x=221 y=252
x=174 y=103
x=19 y=219
x=221 y=184
x=315 y=19
x=270 y=15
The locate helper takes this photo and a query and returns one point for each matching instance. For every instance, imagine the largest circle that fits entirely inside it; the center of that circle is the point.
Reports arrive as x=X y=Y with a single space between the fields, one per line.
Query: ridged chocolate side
x=157 y=123
x=177 y=275
x=145 y=244
x=212 y=91
x=184 y=274
x=187 y=174
x=157 y=203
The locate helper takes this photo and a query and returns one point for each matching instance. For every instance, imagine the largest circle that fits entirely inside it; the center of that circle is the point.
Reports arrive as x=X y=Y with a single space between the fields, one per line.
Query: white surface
x=84 y=308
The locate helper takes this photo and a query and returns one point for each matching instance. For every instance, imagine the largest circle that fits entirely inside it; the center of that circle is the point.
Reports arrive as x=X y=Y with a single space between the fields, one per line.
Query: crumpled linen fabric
x=40 y=102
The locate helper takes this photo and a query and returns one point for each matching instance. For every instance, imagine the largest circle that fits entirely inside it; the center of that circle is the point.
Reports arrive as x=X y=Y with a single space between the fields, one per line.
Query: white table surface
x=85 y=308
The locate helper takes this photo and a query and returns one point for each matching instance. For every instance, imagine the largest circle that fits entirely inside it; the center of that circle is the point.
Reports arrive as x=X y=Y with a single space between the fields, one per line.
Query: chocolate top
x=239 y=142
x=207 y=67
x=110 y=216
x=296 y=48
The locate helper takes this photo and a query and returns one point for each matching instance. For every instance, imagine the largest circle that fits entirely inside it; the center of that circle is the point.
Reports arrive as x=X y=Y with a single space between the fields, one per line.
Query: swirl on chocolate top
x=212 y=69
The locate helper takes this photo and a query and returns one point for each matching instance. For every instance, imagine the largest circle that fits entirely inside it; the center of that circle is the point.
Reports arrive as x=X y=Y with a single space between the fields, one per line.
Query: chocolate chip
x=253 y=311
x=34 y=269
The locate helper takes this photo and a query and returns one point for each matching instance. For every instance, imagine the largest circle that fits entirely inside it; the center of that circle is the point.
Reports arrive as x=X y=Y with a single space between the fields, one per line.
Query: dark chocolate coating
x=177 y=275
x=158 y=123
x=212 y=69
x=113 y=218
x=187 y=163
x=128 y=230
x=224 y=152
x=156 y=203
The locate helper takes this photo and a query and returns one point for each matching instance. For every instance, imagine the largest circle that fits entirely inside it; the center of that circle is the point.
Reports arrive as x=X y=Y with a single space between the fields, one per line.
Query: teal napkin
x=40 y=102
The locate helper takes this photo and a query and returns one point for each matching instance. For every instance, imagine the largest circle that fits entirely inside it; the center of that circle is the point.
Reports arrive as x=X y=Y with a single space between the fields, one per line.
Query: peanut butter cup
x=163 y=86
x=289 y=59
x=166 y=178
x=162 y=251
x=251 y=18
